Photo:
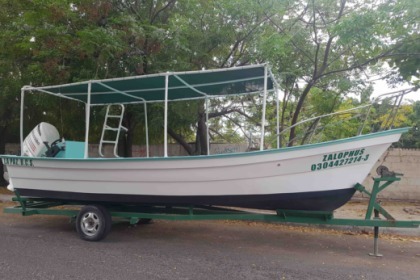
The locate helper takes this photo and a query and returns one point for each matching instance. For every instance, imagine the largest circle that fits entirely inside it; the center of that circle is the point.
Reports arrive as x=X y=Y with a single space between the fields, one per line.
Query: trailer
x=94 y=220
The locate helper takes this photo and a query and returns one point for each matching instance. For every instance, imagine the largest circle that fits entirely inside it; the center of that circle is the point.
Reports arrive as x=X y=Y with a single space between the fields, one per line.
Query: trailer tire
x=108 y=218
x=93 y=223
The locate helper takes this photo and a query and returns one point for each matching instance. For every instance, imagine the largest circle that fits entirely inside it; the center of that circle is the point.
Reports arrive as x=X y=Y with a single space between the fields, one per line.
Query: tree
x=210 y=34
x=11 y=60
x=406 y=59
x=329 y=45
x=319 y=50
x=412 y=138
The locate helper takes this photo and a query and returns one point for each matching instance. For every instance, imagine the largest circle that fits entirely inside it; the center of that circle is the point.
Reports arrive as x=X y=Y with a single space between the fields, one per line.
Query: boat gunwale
x=214 y=156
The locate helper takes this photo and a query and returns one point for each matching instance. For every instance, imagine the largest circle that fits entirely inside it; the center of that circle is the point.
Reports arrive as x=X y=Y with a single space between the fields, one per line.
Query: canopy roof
x=151 y=88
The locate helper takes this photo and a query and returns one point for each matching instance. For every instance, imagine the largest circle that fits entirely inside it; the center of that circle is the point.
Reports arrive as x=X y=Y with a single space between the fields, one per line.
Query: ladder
x=113 y=123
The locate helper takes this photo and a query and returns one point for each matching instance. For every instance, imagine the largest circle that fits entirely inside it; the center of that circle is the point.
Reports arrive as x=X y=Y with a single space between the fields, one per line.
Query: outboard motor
x=43 y=141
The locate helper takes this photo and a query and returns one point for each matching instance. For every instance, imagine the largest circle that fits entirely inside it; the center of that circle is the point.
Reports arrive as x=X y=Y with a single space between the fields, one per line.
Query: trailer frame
x=134 y=214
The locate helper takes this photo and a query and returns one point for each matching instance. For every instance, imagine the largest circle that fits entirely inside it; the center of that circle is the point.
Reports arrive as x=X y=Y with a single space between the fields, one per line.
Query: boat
x=314 y=177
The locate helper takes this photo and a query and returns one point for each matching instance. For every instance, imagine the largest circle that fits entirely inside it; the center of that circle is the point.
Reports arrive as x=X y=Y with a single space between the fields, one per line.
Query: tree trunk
x=201 y=137
x=126 y=137
x=181 y=141
x=299 y=107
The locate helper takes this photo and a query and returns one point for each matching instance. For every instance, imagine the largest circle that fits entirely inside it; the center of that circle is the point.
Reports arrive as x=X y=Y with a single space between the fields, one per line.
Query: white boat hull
x=311 y=177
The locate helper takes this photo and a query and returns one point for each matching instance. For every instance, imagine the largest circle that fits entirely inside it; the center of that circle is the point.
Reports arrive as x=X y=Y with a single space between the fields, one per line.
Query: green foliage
x=318 y=50
x=412 y=138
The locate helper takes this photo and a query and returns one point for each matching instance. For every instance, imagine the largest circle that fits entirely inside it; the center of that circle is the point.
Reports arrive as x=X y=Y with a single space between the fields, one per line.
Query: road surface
x=46 y=247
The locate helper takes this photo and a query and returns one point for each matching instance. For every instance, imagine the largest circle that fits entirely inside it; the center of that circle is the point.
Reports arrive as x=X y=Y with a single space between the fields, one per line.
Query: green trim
x=253 y=153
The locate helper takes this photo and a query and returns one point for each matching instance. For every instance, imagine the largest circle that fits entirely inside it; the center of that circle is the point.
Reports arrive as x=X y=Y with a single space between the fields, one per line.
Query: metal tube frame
x=264 y=108
x=22 y=108
x=87 y=119
x=165 y=125
x=147 y=129
x=278 y=118
x=207 y=126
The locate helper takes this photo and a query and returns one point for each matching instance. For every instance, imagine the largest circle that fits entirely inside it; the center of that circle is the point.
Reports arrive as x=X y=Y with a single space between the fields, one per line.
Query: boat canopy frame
x=166 y=87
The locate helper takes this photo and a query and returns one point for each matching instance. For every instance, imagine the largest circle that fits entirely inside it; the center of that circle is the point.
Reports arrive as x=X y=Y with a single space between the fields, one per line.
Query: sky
x=380 y=87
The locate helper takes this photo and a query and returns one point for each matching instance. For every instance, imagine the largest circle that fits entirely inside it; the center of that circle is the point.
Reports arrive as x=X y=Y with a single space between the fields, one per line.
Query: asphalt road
x=45 y=247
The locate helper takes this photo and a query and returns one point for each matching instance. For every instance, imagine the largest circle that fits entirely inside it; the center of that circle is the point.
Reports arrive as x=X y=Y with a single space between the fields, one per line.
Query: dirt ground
x=3 y=190
x=401 y=210
x=49 y=248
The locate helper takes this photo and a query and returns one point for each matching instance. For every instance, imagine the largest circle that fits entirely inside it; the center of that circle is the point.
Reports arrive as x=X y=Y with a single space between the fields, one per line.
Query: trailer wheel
x=93 y=223
x=108 y=218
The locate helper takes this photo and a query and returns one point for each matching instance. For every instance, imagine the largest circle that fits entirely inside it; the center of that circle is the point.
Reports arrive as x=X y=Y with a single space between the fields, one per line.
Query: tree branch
x=330 y=39
x=180 y=140
x=170 y=3
x=244 y=37
x=281 y=30
x=360 y=65
x=233 y=110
